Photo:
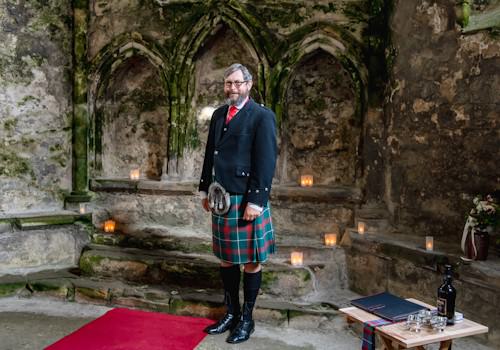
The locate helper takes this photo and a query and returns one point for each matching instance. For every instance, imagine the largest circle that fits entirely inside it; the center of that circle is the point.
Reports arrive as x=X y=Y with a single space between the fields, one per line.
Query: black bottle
x=446 y=296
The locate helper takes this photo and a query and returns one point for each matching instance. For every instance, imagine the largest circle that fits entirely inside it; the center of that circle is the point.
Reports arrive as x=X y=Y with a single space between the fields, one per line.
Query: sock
x=231 y=281
x=251 y=286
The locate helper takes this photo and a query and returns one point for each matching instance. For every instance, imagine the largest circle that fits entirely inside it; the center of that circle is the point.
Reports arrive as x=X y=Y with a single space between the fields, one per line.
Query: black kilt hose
x=239 y=241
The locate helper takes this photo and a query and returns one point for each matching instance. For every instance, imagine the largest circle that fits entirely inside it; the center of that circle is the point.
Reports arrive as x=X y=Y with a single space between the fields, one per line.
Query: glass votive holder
x=361 y=227
x=429 y=243
x=82 y=208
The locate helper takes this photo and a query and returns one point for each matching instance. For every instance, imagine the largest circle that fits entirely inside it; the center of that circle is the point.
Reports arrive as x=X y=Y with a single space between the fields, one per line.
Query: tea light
x=330 y=239
x=429 y=243
x=82 y=208
x=134 y=174
x=109 y=226
x=297 y=258
x=306 y=180
x=361 y=227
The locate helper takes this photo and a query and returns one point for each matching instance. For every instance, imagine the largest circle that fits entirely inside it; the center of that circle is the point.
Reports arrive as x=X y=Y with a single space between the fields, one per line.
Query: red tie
x=232 y=111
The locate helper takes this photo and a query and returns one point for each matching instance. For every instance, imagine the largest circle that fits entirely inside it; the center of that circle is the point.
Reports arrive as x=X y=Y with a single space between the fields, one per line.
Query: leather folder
x=388 y=306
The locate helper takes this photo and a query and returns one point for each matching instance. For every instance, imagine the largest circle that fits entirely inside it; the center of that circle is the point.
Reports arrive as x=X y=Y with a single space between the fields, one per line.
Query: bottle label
x=441 y=306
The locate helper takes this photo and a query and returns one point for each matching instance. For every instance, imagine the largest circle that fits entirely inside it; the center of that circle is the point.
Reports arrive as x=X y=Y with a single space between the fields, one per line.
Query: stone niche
x=220 y=49
x=133 y=116
x=320 y=133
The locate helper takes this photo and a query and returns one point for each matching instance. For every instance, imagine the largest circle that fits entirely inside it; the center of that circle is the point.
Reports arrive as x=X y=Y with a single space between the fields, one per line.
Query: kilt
x=238 y=241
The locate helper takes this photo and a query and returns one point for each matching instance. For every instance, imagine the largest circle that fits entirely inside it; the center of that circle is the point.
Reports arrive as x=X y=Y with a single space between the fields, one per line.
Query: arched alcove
x=320 y=129
x=131 y=112
x=220 y=49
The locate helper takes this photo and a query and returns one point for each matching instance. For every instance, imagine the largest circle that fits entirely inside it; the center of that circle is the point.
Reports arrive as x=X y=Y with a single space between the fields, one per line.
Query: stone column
x=80 y=110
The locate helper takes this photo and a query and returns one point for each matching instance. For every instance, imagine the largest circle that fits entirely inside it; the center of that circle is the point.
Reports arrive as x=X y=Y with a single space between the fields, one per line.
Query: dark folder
x=388 y=306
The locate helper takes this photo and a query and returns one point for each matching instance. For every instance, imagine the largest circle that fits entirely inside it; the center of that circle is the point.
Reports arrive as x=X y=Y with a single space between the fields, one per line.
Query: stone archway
x=133 y=110
x=320 y=130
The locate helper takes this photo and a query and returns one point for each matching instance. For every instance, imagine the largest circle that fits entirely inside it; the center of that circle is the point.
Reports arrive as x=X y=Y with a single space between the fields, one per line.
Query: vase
x=482 y=244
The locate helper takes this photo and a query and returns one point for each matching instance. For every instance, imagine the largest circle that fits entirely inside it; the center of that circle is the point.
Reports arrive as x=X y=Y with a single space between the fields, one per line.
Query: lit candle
x=134 y=174
x=82 y=209
x=429 y=243
x=109 y=226
x=306 y=180
x=330 y=239
x=361 y=227
x=297 y=258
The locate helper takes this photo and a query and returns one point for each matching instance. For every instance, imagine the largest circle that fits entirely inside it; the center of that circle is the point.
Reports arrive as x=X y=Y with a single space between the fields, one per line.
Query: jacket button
x=256 y=191
x=216 y=152
x=243 y=173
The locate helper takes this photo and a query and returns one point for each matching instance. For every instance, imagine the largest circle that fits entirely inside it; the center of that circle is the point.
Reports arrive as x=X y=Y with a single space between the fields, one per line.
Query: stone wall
x=35 y=104
x=442 y=112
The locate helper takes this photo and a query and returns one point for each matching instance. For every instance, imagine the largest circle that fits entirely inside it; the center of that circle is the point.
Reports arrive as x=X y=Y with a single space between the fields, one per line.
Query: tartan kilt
x=238 y=241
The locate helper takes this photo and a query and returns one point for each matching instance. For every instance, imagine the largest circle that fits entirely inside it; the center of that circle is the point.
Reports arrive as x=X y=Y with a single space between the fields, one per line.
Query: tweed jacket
x=244 y=155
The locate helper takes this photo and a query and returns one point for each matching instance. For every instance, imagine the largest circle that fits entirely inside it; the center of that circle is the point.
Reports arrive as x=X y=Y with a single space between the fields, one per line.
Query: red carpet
x=123 y=329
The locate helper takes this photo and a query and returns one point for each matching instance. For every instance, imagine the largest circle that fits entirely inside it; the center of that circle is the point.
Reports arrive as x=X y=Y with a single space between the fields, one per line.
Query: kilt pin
x=239 y=241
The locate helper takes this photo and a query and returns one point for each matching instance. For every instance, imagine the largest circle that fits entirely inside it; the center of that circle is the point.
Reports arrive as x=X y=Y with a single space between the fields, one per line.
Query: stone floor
x=34 y=323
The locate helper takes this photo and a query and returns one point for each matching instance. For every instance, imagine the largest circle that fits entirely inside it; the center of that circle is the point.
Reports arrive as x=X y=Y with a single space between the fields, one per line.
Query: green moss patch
x=12 y=165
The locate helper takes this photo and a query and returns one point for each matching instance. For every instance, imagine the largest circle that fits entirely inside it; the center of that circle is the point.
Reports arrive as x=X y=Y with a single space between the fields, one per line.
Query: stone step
x=170 y=209
x=175 y=300
x=52 y=247
x=151 y=238
x=161 y=267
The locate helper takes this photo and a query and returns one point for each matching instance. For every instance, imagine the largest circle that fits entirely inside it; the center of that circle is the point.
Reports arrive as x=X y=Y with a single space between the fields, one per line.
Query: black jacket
x=244 y=156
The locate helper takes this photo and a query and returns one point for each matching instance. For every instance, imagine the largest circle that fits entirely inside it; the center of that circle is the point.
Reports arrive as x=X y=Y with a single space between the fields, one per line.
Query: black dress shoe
x=229 y=321
x=242 y=332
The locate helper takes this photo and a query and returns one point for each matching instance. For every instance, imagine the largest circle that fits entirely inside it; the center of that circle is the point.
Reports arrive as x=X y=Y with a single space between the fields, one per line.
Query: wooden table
x=395 y=336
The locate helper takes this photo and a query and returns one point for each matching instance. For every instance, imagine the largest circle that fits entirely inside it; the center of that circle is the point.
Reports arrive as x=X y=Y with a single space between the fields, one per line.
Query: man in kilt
x=240 y=155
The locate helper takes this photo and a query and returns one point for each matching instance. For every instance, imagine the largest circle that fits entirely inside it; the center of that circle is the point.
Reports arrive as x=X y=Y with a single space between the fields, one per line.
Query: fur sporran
x=219 y=200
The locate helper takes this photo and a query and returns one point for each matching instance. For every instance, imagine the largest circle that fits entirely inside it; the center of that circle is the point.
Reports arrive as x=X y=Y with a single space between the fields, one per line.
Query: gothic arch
x=327 y=38
x=184 y=55
x=103 y=66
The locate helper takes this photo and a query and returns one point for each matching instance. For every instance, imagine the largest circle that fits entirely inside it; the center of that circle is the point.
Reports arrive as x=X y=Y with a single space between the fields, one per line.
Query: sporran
x=219 y=199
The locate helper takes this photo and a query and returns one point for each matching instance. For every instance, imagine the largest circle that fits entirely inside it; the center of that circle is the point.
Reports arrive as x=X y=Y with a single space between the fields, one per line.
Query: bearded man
x=240 y=159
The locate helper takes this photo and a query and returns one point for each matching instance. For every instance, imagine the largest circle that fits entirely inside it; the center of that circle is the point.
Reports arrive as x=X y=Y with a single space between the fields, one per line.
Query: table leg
x=387 y=343
x=445 y=345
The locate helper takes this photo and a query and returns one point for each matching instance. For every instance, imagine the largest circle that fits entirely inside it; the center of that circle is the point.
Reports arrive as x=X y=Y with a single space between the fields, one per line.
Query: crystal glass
x=414 y=323
x=438 y=323
x=425 y=316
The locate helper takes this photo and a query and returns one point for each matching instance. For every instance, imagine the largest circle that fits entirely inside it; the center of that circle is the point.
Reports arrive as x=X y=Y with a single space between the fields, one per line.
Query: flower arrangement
x=485 y=213
x=481 y=221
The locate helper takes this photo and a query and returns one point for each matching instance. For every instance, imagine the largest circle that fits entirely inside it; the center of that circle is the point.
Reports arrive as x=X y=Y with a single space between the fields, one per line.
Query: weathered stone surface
x=35 y=105
x=443 y=117
x=35 y=250
x=322 y=132
x=196 y=271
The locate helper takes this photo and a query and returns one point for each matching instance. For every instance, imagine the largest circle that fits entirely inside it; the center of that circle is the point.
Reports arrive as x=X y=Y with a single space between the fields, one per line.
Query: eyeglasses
x=235 y=83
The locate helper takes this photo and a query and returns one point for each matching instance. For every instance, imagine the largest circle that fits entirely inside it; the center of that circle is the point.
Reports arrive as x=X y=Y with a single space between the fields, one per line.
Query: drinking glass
x=439 y=323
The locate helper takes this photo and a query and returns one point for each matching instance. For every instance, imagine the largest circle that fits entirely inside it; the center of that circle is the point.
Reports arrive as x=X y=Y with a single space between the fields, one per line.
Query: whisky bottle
x=446 y=296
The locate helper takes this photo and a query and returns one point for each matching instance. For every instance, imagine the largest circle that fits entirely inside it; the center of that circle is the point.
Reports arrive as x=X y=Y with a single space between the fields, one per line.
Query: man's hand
x=204 y=203
x=250 y=213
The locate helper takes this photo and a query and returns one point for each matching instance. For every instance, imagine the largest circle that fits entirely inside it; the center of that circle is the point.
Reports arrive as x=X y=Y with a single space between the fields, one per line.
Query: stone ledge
x=411 y=248
x=317 y=194
x=37 y=220
x=144 y=187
